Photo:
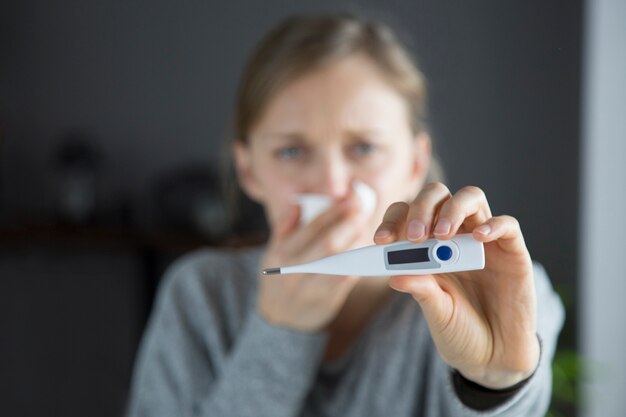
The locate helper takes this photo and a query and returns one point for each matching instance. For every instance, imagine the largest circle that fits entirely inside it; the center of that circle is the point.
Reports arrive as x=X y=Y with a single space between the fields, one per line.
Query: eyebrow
x=372 y=132
x=291 y=136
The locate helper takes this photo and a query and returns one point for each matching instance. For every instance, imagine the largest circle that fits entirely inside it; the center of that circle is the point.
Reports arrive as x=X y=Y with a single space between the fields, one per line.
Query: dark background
x=151 y=87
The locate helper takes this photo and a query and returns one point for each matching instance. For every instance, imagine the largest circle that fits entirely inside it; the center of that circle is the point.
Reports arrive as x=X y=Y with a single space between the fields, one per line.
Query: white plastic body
x=467 y=254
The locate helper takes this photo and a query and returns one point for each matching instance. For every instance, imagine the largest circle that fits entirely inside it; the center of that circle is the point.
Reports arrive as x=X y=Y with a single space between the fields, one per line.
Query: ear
x=242 y=156
x=422 y=153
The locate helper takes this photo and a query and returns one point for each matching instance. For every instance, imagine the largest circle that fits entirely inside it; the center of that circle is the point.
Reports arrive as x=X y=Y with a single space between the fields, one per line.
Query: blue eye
x=289 y=153
x=363 y=149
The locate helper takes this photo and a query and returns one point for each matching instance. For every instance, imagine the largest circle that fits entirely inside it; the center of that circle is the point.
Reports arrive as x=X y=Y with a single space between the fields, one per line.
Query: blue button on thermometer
x=461 y=253
x=444 y=252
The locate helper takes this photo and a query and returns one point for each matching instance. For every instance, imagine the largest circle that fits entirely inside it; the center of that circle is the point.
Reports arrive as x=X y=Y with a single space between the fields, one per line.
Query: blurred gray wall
x=603 y=203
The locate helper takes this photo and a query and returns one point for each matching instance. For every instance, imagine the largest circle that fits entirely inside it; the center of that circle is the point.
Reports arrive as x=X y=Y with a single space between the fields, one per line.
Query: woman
x=327 y=101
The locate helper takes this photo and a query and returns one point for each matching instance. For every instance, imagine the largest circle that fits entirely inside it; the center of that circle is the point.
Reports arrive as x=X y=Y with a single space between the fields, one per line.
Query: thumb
x=436 y=304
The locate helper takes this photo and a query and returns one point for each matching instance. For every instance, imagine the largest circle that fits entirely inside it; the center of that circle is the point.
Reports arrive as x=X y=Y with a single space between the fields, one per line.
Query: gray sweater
x=206 y=352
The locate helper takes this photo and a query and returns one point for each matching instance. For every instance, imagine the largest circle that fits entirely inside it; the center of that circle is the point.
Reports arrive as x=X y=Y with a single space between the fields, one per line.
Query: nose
x=333 y=175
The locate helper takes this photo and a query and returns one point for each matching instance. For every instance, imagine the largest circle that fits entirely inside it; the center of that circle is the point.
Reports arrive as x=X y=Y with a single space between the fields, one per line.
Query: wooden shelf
x=115 y=235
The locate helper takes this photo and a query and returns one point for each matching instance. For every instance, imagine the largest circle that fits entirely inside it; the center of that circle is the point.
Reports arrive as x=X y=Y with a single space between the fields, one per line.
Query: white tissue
x=311 y=205
x=367 y=196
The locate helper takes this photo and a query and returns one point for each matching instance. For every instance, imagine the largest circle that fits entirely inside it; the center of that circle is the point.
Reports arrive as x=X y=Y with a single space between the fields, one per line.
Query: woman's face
x=322 y=132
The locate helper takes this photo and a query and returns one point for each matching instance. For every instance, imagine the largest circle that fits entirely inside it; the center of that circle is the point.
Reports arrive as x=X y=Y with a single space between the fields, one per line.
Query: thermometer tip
x=271 y=271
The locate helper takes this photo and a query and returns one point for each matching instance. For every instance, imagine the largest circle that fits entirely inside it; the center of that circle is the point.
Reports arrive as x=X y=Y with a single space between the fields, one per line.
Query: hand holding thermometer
x=461 y=253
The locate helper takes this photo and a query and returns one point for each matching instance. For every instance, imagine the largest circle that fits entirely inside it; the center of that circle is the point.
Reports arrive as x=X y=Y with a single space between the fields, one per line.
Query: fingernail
x=442 y=227
x=382 y=233
x=484 y=229
x=416 y=230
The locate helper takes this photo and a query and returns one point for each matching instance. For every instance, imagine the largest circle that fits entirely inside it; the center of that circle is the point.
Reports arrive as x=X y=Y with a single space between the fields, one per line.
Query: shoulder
x=543 y=285
x=219 y=282
x=215 y=266
x=550 y=310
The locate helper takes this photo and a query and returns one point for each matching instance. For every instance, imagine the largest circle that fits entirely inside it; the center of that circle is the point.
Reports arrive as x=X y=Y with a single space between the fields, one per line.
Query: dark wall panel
x=70 y=319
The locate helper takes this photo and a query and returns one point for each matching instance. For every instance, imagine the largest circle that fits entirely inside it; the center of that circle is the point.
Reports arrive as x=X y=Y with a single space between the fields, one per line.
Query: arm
x=189 y=365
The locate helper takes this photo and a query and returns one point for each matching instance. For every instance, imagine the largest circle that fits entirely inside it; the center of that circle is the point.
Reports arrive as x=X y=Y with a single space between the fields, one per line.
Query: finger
x=468 y=207
x=504 y=229
x=437 y=305
x=336 y=237
x=287 y=222
x=390 y=228
x=423 y=210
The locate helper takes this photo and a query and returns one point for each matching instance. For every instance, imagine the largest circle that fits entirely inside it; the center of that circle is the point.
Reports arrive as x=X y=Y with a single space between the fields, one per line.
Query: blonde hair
x=303 y=43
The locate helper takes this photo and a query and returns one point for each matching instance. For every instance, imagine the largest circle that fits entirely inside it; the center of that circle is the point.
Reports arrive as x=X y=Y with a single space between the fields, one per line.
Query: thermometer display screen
x=408 y=256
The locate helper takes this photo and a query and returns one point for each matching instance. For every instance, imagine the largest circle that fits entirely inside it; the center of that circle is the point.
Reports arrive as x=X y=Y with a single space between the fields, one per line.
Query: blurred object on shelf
x=190 y=199
x=77 y=171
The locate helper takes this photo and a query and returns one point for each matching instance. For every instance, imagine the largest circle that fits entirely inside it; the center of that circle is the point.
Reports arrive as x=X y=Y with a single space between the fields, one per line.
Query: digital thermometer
x=461 y=253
